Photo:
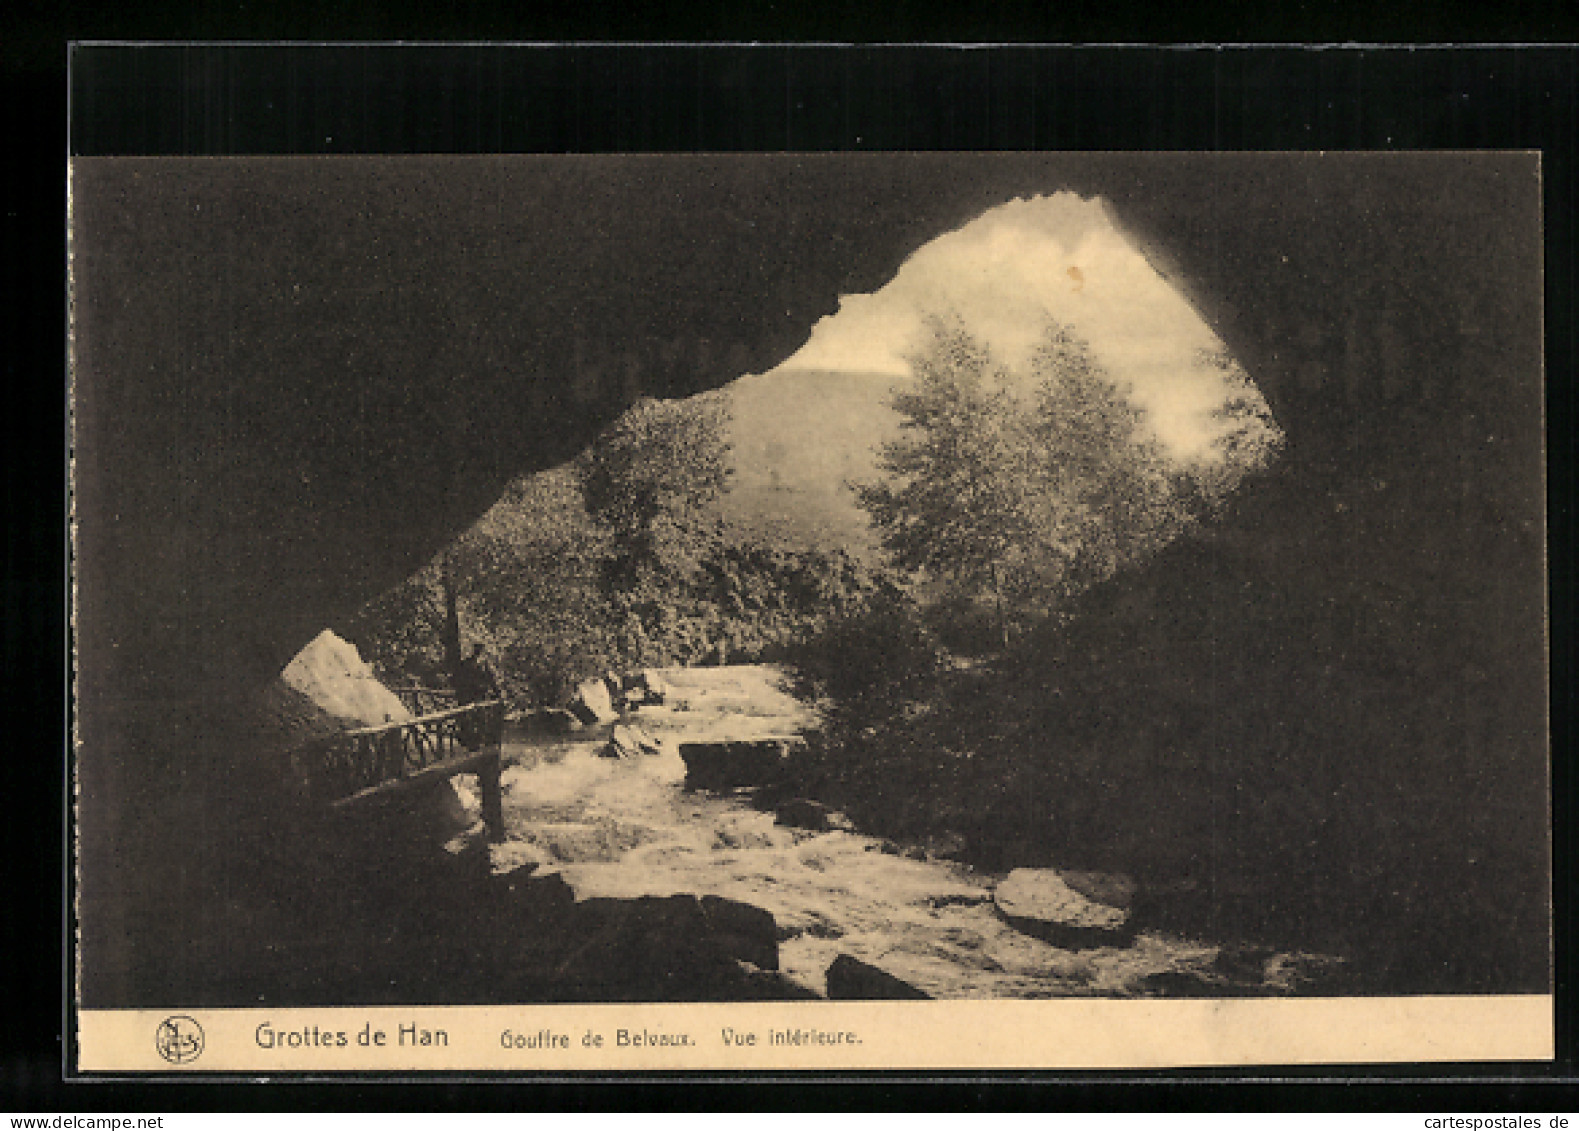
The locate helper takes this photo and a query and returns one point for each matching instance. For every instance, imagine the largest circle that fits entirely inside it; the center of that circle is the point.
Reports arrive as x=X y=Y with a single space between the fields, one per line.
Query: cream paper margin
x=1064 y=1034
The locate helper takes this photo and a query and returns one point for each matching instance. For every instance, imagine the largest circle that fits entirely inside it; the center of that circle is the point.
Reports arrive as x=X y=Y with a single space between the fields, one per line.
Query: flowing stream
x=627 y=827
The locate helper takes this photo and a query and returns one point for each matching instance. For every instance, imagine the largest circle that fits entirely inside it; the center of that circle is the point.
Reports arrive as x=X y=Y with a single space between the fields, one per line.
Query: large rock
x=630 y=742
x=331 y=673
x=284 y=722
x=803 y=812
x=850 y=979
x=593 y=704
x=645 y=689
x=1072 y=910
x=725 y=765
x=1111 y=888
x=743 y=930
x=1246 y=963
x=673 y=948
x=330 y=679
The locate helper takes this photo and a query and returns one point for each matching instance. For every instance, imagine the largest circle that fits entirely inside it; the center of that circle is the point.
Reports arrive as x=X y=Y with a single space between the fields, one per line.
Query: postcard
x=985 y=610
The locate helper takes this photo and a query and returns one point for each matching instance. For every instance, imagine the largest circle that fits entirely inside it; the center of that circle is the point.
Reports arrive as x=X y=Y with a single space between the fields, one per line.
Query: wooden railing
x=423 y=700
x=378 y=760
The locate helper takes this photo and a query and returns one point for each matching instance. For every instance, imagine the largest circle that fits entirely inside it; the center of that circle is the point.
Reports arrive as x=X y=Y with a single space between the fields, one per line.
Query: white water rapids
x=627 y=827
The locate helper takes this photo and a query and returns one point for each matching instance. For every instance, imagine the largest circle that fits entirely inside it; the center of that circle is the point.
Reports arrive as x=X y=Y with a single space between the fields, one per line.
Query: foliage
x=527 y=581
x=1026 y=489
x=614 y=562
x=957 y=500
x=869 y=656
x=744 y=601
x=1247 y=441
x=1116 y=498
x=647 y=480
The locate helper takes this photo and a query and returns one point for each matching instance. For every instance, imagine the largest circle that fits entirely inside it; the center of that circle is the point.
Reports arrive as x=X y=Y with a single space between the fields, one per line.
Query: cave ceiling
x=296 y=379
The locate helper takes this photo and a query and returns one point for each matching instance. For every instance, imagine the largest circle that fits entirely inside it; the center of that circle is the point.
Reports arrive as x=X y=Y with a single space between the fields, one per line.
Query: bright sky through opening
x=1005 y=273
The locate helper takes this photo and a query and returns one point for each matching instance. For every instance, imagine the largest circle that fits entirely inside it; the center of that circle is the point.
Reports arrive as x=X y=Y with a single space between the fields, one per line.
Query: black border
x=735 y=98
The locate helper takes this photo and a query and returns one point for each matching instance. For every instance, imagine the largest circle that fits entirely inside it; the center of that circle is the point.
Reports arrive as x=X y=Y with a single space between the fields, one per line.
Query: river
x=628 y=827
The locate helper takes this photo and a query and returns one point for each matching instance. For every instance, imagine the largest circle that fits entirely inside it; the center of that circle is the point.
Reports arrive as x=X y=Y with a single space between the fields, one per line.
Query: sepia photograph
x=531 y=582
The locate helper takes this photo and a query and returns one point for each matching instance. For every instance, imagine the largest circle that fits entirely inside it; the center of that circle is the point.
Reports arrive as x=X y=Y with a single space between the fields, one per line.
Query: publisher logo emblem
x=179 y=1039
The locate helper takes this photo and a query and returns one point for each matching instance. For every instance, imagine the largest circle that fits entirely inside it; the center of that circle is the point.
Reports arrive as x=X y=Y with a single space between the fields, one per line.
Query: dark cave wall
x=1361 y=644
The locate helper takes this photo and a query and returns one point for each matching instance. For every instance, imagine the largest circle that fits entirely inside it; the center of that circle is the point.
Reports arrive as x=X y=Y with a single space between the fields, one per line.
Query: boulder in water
x=630 y=741
x=850 y=979
x=724 y=765
x=1043 y=903
x=593 y=704
x=1243 y=963
x=803 y=812
x=1111 y=888
x=645 y=689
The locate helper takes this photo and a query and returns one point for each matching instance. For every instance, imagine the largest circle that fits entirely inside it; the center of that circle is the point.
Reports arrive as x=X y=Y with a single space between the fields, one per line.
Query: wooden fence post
x=488 y=783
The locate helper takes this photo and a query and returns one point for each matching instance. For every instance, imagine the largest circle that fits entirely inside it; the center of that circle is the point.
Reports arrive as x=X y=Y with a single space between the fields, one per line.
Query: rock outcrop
x=328 y=688
x=726 y=765
x=593 y=704
x=331 y=673
x=850 y=979
x=628 y=741
x=1072 y=910
x=645 y=689
x=803 y=812
x=681 y=947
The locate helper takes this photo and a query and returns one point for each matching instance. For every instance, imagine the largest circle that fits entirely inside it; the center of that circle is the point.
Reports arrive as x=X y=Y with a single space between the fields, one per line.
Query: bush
x=878 y=653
